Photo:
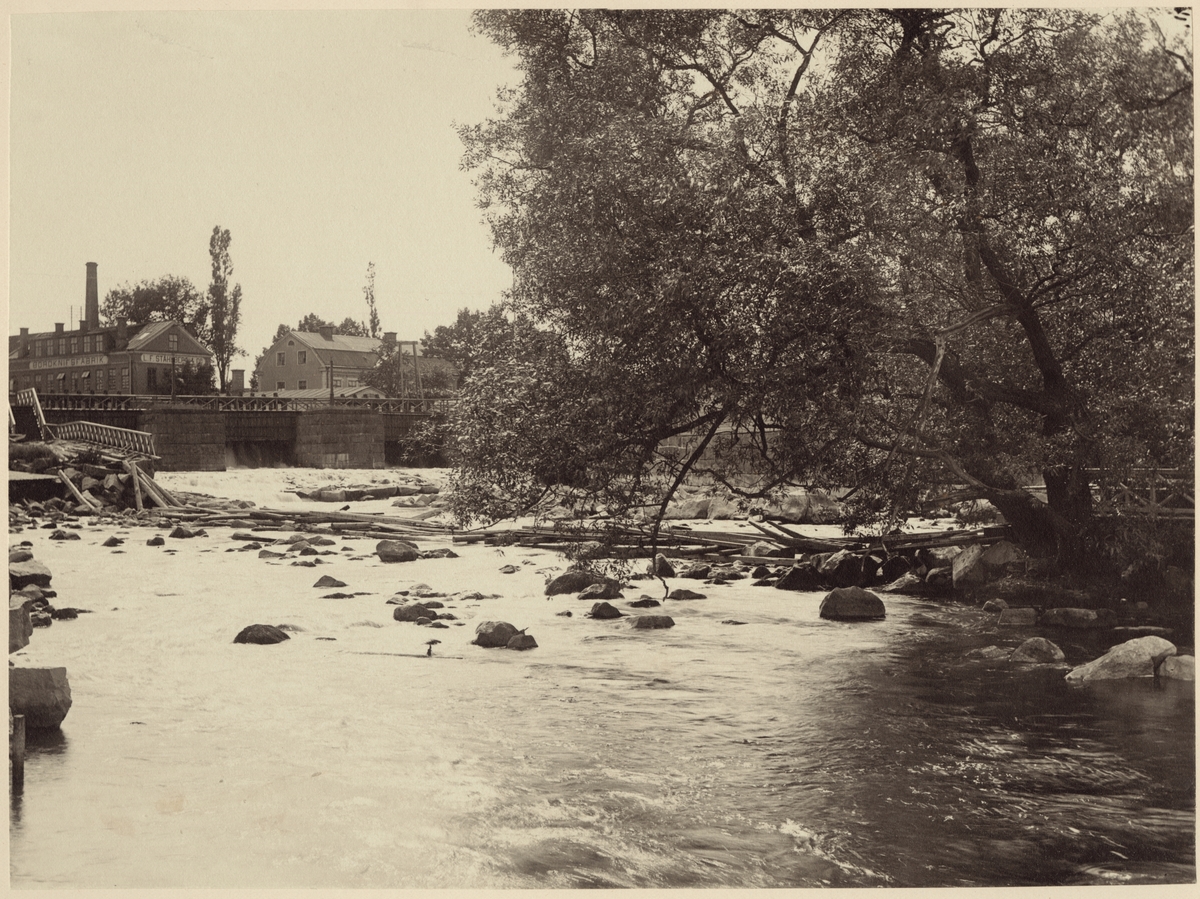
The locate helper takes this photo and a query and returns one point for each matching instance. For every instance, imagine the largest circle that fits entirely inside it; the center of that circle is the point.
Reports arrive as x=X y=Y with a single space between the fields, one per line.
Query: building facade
x=118 y=359
x=308 y=360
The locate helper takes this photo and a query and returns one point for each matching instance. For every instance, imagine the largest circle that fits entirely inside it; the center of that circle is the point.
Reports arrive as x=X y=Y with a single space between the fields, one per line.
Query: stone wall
x=187 y=439
x=339 y=438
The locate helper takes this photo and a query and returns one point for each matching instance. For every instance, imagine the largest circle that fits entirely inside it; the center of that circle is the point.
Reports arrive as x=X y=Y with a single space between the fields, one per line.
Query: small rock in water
x=685 y=594
x=263 y=634
x=493 y=633
x=113 y=541
x=651 y=622
x=522 y=641
x=645 y=602
x=604 y=611
x=327 y=581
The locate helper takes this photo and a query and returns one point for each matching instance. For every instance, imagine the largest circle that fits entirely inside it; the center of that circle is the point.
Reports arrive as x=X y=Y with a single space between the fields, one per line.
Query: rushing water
x=784 y=751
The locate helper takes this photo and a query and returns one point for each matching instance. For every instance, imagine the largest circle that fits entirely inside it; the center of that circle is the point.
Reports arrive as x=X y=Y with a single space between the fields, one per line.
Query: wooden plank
x=79 y=497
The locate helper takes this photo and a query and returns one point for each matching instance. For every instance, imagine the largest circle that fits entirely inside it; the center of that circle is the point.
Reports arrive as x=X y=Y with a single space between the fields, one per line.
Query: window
x=303 y=385
x=74 y=345
x=87 y=343
x=125 y=379
x=172 y=342
x=279 y=384
x=351 y=383
x=302 y=358
x=37 y=381
x=337 y=382
x=37 y=348
x=112 y=379
x=62 y=346
x=291 y=343
x=281 y=358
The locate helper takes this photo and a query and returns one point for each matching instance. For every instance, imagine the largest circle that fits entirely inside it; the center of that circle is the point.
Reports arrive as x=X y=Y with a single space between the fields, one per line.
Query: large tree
x=881 y=249
x=225 y=305
x=169 y=298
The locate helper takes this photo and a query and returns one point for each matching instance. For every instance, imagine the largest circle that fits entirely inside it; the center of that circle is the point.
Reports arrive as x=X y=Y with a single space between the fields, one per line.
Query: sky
x=323 y=140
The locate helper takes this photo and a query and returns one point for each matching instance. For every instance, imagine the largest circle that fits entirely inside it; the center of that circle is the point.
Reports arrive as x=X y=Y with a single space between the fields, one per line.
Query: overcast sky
x=321 y=140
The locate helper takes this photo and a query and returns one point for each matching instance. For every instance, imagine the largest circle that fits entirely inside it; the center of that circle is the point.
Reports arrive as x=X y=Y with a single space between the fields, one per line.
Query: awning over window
x=60 y=376
x=86 y=374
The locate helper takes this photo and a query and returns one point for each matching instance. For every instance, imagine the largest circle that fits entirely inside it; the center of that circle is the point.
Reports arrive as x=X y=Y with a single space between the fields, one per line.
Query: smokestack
x=92 y=299
x=23 y=342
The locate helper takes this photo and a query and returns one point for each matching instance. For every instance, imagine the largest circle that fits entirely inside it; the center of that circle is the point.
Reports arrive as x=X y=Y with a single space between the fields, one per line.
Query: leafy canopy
x=883 y=249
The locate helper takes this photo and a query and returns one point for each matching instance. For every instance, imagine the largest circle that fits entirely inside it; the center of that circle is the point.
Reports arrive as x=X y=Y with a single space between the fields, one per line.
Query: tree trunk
x=1054 y=528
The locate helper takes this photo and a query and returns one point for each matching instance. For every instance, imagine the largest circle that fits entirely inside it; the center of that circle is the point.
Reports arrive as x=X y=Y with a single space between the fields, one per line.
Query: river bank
x=752 y=744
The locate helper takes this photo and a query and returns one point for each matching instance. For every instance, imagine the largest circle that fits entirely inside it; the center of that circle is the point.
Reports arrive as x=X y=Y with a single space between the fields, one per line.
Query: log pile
x=96 y=479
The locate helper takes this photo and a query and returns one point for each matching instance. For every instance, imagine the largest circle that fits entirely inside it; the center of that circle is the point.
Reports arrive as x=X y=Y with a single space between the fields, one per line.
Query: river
x=781 y=751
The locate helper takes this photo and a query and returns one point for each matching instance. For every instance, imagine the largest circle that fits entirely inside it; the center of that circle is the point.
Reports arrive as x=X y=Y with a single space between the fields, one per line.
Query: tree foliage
x=169 y=298
x=372 y=310
x=475 y=336
x=879 y=249
x=225 y=305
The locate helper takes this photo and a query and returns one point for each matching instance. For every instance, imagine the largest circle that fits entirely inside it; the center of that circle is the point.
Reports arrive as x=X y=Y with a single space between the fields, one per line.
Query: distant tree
x=190 y=380
x=475 y=337
x=169 y=298
x=369 y=293
x=225 y=305
x=350 y=328
x=395 y=375
x=311 y=324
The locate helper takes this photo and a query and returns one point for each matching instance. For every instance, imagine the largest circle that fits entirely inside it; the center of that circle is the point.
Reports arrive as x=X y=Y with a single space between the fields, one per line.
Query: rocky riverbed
x=598 y=676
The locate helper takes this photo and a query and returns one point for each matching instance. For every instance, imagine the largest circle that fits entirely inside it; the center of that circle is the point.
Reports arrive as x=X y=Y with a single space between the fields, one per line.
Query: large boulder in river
x=396 y=551
x=20 y=627
x=848 y=569
x=490 y=634
x=1178 y=668
x=31 y=571
x=521 y=642
x=42 y=695
x=262 y=634
x=603 y=610
x=414 y=611
x=1037 y=650
x=800 y=576
x=977 y=565
x=1134 y=658
x=661 y=567
x=606 y=590
x=651 y=622
x=851 y=604
x=575 y=580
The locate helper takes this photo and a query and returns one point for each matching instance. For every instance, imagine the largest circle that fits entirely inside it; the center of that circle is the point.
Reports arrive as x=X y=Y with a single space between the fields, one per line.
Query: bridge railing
x=106 y=435
x=411 y=405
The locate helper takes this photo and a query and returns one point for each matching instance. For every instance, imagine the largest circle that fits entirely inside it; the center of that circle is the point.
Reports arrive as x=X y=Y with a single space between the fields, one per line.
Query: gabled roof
x=154 y=330
x=338 y=343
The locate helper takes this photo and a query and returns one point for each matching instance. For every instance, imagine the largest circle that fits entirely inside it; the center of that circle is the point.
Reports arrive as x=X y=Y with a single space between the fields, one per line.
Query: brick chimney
x=58 y=327
x=91 y=300
x=326 y=332
x=389 y=340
